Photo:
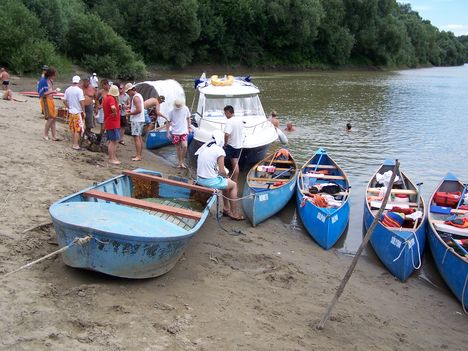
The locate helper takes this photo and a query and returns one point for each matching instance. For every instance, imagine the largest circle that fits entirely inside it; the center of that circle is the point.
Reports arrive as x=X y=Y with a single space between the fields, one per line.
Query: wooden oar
x=366 y=239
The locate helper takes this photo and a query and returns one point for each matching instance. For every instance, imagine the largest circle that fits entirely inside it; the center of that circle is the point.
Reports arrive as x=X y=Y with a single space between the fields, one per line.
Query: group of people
x=113 y=107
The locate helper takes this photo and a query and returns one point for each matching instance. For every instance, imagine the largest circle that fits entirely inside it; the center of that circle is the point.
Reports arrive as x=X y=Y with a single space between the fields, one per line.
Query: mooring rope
x=463 y=294
x=76 y=241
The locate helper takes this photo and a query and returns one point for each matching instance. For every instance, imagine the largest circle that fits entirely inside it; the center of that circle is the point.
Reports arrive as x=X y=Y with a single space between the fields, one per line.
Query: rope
x=78 y=241
x=463 y=294
x=419 y=253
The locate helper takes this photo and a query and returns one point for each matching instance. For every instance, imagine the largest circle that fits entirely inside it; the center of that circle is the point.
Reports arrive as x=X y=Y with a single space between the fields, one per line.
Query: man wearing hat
x=137 y=118
x=74 y=101
x=179 y=120
x=111 y=109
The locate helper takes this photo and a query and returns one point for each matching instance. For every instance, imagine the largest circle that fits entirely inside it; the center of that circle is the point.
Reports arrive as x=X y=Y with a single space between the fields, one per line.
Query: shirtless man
x=156 y=104
x=90 y=96
x=5 y=77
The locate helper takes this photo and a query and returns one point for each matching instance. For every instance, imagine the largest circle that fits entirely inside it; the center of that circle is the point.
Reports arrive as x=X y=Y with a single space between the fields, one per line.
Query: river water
x=417 y=116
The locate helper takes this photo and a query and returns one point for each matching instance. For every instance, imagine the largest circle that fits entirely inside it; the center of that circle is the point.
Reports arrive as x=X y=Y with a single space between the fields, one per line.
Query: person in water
x=290 y=127
x=348 y=127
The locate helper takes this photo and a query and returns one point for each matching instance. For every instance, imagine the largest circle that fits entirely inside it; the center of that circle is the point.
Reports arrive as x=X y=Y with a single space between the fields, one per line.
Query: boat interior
x=274 y=171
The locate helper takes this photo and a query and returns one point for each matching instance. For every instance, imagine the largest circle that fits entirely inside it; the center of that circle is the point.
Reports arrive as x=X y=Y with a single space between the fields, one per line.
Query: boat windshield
x=243 y=106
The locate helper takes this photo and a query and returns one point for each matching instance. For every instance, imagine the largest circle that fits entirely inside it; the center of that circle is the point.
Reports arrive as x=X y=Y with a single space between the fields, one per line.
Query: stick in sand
x=359 y=251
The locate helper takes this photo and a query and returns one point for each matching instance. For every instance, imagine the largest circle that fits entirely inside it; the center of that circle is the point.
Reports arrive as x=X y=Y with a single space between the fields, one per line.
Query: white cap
x=94 y=74
x=76 y=79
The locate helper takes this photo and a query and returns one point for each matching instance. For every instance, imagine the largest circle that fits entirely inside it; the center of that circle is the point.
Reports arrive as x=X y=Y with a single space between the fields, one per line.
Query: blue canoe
x=450 y=256
x=321 y=175
x=138 y=223
x=269 y=186
x=158 y=138
x=399 y=249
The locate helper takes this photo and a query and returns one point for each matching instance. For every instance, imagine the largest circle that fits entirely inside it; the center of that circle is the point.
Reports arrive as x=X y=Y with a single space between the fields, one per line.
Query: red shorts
x=176 y=139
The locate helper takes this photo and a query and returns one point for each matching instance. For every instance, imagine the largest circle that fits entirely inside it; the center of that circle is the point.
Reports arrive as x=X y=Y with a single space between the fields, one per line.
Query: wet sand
x=264 y=289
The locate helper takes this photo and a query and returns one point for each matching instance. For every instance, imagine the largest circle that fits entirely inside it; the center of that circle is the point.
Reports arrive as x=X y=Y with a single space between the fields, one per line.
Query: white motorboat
x=213 y=95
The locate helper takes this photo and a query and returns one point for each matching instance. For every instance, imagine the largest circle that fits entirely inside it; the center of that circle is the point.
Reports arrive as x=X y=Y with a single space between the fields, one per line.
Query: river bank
x=265 y=289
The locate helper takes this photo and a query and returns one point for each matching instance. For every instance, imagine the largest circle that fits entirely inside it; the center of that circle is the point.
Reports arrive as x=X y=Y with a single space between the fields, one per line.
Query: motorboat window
x=243 y=106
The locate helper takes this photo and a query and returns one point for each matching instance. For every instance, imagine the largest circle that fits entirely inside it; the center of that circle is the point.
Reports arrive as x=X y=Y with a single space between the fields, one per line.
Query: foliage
x=113 y=37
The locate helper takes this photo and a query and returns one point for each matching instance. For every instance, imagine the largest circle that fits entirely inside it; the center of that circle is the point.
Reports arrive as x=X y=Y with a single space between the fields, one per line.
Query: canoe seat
x=394 y=191
x=322 y=176
x=447 y=228
x=264 y=180
x=130 y=201
x=282 y=161
x=311 y=165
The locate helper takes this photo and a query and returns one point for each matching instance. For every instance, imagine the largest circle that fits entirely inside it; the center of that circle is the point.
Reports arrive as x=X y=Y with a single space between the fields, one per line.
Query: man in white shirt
x=74 y=101
x=233 y=140
x=137 y=118
x=94 y=81
x=211 y=173
x=179 y=120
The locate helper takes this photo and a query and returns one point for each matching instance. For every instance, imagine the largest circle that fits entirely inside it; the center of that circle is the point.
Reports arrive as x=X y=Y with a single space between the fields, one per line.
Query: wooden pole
x=348 y=274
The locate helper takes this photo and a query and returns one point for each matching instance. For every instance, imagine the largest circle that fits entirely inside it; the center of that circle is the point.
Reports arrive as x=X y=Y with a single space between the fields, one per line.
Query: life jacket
x=281 y=154
x=458 y=222
x=447 y=199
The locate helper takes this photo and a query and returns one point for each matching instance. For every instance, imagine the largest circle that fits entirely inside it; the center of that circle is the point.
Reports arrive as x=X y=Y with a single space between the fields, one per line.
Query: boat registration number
x=334 y=219
x=321 y=217
x=395 y=242
x=263 y=197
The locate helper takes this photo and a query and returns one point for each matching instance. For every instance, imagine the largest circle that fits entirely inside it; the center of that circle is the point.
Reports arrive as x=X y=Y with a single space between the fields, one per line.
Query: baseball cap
x=76 y=79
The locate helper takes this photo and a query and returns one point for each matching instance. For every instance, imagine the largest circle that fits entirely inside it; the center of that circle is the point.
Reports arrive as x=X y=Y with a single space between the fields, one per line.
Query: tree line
x=118 y=38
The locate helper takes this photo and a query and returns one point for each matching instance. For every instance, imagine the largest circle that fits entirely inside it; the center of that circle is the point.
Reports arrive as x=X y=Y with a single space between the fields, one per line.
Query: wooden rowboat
x=269 y=186
x=450 y=256
x=325 y=222
x=399 y=248
x=138 y=224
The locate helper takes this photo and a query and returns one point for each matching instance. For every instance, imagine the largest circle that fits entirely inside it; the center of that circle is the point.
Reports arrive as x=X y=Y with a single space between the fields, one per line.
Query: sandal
x=136 y=159
x=121 y=142
x=57 y=139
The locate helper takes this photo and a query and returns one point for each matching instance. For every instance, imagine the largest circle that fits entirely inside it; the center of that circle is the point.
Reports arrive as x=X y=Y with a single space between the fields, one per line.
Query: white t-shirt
x=141 y=116
x=178 y=117
x=94 y=81
x=235 y=127
x=73 y=96
x=207 y=163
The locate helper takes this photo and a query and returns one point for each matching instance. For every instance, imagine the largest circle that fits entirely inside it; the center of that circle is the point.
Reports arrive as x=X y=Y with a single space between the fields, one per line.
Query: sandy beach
x=264 y=289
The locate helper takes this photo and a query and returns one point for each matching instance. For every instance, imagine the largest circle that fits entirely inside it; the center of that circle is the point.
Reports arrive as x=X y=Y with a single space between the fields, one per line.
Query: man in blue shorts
x=212 y=174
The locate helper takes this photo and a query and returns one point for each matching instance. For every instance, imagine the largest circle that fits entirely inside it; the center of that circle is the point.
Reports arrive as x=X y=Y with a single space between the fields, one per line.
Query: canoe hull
x=125 y=241
x=324 y=225
x=157 y=139
x=261 y=205
x=452 y=267
x=399 y=250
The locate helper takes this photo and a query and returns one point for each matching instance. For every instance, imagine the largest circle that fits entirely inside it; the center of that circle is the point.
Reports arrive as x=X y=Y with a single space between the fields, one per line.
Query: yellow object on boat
x=222 y=82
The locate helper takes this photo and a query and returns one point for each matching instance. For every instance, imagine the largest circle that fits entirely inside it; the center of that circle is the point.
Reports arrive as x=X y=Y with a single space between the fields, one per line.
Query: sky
x=448 y=15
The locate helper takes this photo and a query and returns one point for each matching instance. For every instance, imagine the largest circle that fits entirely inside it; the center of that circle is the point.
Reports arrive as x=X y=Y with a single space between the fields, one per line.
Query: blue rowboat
x=269 y=186
x=137 y=224
x=399 y=248
x=450 y=256
x=158 y=138
x=321 y=178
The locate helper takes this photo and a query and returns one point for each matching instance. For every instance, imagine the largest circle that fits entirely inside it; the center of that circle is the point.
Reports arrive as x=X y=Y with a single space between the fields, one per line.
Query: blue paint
x=324 y=225
x=452 y=267
x=127 y=242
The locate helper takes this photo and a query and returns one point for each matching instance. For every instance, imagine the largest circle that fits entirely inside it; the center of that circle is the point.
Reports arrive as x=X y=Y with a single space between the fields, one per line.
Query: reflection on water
x=417 y=116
